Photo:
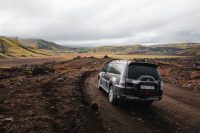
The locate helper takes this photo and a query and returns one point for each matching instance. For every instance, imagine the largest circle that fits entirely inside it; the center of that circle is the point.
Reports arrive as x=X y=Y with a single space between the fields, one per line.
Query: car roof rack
x=137 y=62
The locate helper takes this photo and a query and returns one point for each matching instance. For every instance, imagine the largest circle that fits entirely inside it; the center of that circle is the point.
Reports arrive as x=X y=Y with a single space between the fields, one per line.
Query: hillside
x=39 y=44
x=188 y=49
x=12 y=47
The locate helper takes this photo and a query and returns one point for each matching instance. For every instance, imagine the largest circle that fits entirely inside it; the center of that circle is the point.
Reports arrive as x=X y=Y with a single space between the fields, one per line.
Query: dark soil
x=66 y=99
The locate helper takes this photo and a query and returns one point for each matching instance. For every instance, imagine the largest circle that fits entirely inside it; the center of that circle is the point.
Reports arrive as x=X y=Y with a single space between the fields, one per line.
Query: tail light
x=161 y=85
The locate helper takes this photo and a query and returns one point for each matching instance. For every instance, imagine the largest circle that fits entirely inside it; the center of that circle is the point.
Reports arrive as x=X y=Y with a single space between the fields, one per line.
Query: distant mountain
x=42 y=44
x=187 y=49
x=13 y=47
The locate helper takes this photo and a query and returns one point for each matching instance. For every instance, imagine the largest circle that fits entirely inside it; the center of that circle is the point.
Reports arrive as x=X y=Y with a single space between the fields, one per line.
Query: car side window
x=115 y=68
x=119 y=68
x=112 y=68
x=108 y=69
x=104 y=68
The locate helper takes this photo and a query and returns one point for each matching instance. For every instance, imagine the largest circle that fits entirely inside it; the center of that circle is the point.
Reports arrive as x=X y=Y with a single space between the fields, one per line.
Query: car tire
x=112 y=95
x=148 y=103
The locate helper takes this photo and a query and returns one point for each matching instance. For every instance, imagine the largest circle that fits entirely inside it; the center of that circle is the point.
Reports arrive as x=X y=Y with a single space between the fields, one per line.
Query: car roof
x=119 y=61
x=129 y=62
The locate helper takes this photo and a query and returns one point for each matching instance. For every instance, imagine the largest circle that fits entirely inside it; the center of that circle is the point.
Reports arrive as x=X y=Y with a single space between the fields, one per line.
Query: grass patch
x=144 y=56
x=124 y=56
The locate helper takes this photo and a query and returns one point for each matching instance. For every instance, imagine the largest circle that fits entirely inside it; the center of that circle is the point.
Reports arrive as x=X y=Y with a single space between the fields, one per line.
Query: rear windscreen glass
x=135 y=71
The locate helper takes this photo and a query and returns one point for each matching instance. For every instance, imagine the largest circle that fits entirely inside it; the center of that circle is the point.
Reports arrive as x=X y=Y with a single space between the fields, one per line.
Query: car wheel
x=148 y=103
x=111 y=95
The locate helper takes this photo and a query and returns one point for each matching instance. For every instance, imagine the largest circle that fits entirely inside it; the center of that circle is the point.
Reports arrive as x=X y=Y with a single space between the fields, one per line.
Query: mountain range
x=15 y=47
x=186 y=49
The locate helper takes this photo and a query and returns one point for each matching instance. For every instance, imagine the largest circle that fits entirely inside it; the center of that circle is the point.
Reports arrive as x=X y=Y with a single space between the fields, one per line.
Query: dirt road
x=63 y=101
x=178 y=111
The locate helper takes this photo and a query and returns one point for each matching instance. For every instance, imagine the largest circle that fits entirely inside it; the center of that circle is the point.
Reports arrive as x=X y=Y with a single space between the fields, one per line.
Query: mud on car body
x=125 y=79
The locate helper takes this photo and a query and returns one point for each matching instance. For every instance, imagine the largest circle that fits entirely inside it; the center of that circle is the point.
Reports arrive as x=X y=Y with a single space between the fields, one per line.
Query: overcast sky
x=102 y=22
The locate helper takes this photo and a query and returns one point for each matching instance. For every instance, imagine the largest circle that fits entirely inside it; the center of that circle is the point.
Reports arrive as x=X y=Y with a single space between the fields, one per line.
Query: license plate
x=147 y=87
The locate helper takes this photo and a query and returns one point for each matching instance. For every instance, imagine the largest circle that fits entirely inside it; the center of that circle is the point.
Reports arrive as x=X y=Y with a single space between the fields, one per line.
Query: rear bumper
x=154 y=98
x=121 y=94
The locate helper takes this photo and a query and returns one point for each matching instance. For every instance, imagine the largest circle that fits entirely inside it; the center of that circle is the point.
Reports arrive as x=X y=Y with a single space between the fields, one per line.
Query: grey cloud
x=101 y=22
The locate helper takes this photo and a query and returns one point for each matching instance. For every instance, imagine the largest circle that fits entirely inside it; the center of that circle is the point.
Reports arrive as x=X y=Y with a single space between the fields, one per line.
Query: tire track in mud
x=168 y=115
x=80 y=118
x=94 y=122
x=77 y=118
x=47 y=104
x=189 y=97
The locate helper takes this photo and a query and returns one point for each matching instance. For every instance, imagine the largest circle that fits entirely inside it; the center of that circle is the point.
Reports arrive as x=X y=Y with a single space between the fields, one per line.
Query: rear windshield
x=135 y=71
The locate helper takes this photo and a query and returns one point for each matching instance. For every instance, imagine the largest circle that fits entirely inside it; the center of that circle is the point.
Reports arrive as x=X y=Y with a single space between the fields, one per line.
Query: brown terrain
x=63 y=97
x=12 y=62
